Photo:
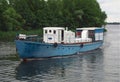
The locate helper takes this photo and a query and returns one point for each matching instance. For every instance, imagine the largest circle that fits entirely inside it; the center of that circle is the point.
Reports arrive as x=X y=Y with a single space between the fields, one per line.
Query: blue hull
x=29 y=49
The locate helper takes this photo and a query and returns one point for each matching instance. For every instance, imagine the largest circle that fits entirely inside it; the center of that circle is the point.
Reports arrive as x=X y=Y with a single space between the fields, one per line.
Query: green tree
x=3 y=6
x=12 y=20
x=22 y=7
x=66 y=13
x=92 y=13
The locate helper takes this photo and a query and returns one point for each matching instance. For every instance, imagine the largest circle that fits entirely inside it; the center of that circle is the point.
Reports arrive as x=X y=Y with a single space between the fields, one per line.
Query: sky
x=112 y=9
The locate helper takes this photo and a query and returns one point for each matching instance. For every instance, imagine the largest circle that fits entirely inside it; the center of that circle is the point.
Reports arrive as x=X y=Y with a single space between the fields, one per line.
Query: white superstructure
x=58 y=35
x=93 y=33
x=52 y=34
x=62 y=35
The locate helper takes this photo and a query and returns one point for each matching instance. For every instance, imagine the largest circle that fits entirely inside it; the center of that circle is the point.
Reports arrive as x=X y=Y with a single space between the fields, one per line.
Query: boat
x=59 y=41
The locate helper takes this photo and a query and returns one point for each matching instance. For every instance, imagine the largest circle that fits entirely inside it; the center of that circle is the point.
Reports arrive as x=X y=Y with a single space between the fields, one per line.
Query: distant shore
x=114 y=23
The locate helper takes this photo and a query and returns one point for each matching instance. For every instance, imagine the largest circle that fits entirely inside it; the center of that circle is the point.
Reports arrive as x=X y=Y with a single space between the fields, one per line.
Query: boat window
x=46 y=31
x=62 y=35
x=50 y=31
x=54 y=32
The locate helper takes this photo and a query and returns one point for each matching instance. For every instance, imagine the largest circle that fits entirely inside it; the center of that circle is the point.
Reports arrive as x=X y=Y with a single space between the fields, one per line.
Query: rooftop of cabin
x=88 y=28
x=54 y=28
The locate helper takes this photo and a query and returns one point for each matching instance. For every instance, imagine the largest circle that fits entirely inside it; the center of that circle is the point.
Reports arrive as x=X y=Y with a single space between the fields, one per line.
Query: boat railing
x=34 y=38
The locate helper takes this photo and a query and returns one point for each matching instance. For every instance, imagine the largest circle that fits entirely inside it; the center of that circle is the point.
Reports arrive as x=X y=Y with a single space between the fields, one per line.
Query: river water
x=101 y=65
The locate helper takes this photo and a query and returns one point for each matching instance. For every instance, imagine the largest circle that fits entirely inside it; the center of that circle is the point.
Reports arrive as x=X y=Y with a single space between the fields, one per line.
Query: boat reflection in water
x=85 y=65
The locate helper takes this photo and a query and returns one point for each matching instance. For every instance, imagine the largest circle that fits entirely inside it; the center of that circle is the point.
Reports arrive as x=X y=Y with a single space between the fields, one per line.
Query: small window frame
x=45 y=31
x=50 y=31
x=54 y=31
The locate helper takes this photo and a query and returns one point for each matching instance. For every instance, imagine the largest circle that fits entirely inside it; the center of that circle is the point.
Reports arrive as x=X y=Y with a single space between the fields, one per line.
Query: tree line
x=36 y=14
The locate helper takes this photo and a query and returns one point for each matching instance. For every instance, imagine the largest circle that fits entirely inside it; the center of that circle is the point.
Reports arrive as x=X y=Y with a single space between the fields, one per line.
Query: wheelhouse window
x=45 y=31
x=54 y=31
x=50 y=31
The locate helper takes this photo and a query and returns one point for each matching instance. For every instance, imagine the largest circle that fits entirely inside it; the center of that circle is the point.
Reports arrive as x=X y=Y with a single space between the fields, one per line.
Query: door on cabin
x=91 y=34
x=62 y=35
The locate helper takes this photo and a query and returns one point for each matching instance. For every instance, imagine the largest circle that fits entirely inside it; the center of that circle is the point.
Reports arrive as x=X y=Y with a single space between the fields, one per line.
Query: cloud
x=111 y=7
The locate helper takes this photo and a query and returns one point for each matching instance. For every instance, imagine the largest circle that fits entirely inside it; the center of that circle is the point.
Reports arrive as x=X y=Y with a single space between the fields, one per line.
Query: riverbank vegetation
x=10 y=35
x=27 y=16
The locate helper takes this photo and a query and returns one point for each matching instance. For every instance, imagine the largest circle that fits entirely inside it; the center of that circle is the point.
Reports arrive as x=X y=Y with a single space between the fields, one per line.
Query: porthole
x=50 y=31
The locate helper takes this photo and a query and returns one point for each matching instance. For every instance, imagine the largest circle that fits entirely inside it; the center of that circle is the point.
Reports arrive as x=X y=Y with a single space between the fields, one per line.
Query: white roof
x=55 y=28
x=88 y=28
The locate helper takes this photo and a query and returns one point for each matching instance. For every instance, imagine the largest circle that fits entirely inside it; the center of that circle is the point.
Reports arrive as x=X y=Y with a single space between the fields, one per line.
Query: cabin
x=58 y=35
x=62 y=35
x=89 y=34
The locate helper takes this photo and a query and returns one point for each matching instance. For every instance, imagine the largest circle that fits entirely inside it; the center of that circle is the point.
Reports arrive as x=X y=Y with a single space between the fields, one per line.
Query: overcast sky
x=112 y=9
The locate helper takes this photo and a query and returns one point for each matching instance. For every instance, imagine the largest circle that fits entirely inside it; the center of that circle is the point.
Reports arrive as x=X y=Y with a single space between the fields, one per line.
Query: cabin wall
x=83 y=36
x=59 y=36
x=89 y=34
x=49 y=37
x=69 y=37
x=55 y=35
x=99 y=34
